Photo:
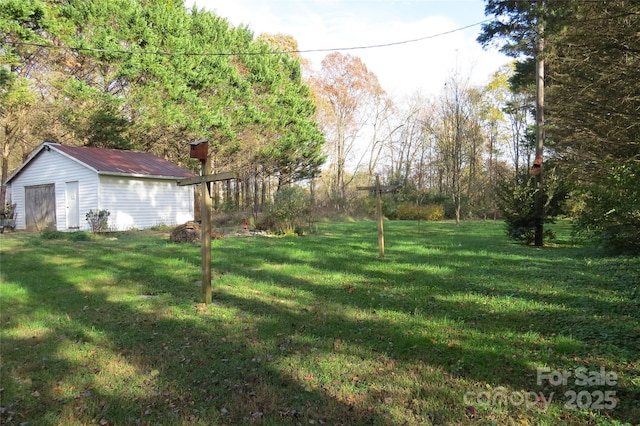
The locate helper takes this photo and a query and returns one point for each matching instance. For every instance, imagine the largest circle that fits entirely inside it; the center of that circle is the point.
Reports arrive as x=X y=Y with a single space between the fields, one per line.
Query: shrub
x=408 y=212
x=69 y=236
x=78 y=236
x=291 y=209
x=516 y=200
x=433 y=212
x=266 y=222
x=412 y=211
x=52 y=235
x=389 y=206
x=98 y=220
x=161 y=227
x=611 y=209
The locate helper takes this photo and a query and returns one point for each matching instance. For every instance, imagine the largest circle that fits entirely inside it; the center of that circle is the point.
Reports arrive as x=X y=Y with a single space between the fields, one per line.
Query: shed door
x=73 y=206
x=40 y=207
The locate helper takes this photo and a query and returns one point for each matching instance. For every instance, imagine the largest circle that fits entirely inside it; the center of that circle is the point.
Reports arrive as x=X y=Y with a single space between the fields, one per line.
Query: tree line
x=473 y=149
x=592 y=132
x=152 y=76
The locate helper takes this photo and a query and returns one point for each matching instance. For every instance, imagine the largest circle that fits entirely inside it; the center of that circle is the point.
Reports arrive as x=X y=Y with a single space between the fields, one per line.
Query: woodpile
x=189 y=232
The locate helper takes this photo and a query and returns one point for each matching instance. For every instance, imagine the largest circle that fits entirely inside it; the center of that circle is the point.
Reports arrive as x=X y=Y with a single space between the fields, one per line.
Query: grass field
x=455 y=326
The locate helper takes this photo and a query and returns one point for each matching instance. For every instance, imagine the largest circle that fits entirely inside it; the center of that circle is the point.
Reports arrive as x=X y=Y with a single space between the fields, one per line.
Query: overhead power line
x=164 y=53
x=397 y=43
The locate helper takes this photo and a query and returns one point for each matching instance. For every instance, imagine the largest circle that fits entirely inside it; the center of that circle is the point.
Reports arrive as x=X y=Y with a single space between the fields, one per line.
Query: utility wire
x=159 y=53
x=397 y=43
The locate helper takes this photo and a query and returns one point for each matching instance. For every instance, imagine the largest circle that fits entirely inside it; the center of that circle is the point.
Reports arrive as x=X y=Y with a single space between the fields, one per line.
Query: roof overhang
x=140 y=176
x=31 y=156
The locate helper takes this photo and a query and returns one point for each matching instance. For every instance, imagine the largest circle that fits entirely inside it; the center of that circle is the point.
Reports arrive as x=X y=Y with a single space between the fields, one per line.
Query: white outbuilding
x=58 y=185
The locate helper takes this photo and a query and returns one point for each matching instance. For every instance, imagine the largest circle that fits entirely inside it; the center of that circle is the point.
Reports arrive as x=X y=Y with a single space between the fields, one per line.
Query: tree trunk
x=539 y=199
x=5 y=170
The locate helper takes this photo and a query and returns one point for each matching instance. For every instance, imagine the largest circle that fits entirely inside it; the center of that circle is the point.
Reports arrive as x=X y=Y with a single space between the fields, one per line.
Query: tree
x=517 y=198
x=592 y=49
x=493 y=116
x=521 y=26
x=346 y=89
x=593 y=86
x=24 y=25
x=383 y=127
x=292 y=142
x=456 y=129
x=152 y=76
x=594 y=103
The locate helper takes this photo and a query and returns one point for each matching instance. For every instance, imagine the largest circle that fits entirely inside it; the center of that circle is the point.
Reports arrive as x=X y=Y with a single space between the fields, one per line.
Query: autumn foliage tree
x=346 y=90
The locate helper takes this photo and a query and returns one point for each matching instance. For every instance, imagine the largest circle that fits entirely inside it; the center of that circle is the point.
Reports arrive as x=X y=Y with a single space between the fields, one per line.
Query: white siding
x=51 y=167
x=140 y=203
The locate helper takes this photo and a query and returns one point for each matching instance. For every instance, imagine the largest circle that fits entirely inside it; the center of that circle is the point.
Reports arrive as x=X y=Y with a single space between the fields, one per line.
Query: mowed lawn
x=455 y=326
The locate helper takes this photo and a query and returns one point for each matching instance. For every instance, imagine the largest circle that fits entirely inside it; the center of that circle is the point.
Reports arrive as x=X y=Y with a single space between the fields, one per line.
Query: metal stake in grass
x=378 y=189
x=200 y=150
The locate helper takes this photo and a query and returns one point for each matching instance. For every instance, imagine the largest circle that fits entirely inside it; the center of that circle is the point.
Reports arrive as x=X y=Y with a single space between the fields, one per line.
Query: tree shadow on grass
x=260 y=358
x=162 y=360
x=518 y=310
x=462 y=284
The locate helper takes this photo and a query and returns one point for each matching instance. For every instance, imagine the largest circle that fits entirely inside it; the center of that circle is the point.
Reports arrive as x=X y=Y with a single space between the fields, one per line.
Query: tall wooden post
x=540 y=195
x=200 y=150
x=380 y=221
x=205 y=212
x=379 y=189
x=205 y=215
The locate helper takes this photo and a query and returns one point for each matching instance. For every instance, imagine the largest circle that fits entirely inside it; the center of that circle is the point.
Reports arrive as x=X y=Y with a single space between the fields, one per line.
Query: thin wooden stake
x=380 y=221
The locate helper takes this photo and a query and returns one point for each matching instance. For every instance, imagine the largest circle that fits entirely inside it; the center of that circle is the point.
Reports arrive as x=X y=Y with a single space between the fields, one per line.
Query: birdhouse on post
x=537 y=166
x=199 y=149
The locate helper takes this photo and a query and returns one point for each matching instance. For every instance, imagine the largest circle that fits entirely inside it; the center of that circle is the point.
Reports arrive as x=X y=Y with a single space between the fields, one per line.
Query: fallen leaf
x=470 y=411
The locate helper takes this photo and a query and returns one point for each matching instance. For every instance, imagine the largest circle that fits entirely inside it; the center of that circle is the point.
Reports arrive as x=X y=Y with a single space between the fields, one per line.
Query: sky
x=402 y=69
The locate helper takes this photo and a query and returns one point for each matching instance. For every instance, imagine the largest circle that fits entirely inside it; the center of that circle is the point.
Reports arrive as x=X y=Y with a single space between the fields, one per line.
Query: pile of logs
x=190 y=232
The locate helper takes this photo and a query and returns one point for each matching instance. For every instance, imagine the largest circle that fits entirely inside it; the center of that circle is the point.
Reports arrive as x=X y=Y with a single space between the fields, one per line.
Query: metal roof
x=116 y=161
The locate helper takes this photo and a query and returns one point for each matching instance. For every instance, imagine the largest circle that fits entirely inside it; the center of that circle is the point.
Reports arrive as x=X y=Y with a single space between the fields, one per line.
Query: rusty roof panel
x=118 y=161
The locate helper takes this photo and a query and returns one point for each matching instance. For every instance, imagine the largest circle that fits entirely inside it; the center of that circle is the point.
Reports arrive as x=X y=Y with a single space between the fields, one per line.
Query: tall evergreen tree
x=594 y=107
x=523 y=28
x=151 y=76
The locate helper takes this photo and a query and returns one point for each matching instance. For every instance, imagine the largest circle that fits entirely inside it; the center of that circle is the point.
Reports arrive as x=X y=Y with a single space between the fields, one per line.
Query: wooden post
x=199 y=150
x=205 y=214
x=380 y=221
x=379 y=190
x=539 y=195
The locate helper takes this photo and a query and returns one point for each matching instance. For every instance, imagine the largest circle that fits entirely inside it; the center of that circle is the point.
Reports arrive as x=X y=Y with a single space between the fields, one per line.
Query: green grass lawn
x=453 y=326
